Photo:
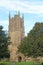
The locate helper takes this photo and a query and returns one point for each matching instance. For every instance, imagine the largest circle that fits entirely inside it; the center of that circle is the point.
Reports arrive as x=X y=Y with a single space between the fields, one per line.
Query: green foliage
x=32 y=45
x=4 y=42
x=42 y=63
x=2 y=64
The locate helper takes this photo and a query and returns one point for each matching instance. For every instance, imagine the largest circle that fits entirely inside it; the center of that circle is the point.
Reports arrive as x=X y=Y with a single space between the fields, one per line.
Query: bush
x=42 y=63
x=2 y=64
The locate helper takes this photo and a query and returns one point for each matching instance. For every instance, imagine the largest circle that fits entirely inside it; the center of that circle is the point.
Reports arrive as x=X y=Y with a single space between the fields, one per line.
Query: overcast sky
x=32 y=10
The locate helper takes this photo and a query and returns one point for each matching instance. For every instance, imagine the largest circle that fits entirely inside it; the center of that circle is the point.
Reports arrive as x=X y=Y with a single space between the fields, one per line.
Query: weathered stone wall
x=16 y=33
x=38 y=59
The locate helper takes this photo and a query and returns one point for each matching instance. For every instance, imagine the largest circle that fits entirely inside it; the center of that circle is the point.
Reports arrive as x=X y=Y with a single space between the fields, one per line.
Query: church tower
x=16 y=33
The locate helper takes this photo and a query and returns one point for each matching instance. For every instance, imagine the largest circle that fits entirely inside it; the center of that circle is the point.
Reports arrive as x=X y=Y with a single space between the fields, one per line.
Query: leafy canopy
x=4 y=42
x=32 y=45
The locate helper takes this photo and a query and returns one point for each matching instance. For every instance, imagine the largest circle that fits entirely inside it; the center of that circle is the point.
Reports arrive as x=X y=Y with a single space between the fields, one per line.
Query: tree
x=4 y=42
x=32 y=45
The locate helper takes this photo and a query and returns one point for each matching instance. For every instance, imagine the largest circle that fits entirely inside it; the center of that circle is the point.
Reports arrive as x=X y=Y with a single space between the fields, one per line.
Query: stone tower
x=16 y=33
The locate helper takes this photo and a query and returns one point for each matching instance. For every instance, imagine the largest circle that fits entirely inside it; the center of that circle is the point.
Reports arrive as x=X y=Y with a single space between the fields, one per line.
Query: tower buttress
x=19 y=13
x=9 y=21
x=23 y=16
x=23 y=24
x=9 y=16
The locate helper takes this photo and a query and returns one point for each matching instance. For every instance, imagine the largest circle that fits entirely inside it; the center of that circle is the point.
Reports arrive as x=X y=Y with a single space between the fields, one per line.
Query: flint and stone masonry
x=16 y=33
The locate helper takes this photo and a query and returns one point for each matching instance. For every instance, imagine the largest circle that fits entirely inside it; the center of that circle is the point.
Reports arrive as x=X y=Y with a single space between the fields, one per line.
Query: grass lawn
x=20 y=63
x=27 y=63
x=5 y=63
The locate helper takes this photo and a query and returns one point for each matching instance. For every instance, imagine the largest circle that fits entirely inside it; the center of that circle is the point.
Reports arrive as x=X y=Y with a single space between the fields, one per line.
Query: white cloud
x=24 y=7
